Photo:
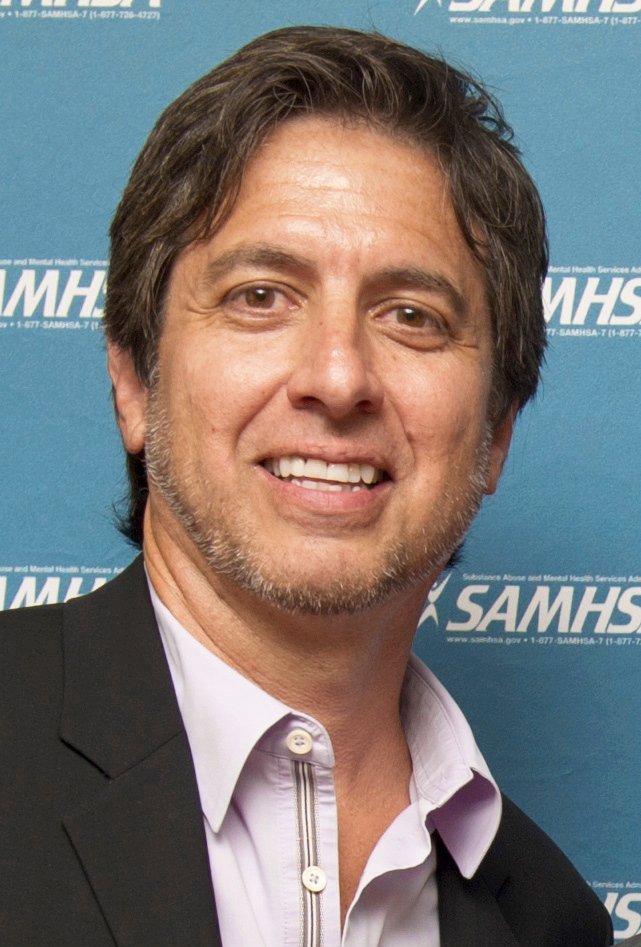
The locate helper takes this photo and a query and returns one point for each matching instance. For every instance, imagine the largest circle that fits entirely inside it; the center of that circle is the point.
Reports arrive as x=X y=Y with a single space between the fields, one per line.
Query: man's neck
x=345 y=670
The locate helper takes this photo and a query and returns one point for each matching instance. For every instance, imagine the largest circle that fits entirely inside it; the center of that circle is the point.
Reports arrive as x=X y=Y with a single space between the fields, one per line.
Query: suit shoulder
x=540 y=891
x=18 y=625
x=23 y=628
x=31 y=679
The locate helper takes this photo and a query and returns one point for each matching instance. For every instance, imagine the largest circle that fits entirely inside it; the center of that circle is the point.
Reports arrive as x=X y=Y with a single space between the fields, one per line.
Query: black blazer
x=102 y=839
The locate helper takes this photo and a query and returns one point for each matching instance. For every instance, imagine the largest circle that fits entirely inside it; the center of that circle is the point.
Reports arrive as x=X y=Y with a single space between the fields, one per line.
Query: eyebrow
x=257 y=255
x=274 y=257
x=416 y=278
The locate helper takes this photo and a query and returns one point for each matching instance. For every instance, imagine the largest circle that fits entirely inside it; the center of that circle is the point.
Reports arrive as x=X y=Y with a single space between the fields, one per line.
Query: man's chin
x=328 y=591
x=305 y=599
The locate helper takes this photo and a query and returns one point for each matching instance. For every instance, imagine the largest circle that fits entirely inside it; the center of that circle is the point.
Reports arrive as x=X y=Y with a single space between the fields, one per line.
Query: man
x=323 y=315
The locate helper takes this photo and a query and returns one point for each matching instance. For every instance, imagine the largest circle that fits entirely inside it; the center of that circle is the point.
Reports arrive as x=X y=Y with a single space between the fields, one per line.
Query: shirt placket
x=313 y=877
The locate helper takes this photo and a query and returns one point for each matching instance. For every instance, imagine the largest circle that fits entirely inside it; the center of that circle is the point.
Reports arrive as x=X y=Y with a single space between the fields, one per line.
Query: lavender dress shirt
x=264 y=774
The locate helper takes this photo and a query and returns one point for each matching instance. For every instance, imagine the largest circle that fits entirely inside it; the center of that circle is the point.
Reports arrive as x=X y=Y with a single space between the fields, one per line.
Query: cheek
x=211 y=393
x=444 y=412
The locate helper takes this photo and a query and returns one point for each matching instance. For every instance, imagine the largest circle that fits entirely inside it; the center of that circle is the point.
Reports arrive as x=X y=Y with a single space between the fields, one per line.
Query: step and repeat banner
x=538 y=631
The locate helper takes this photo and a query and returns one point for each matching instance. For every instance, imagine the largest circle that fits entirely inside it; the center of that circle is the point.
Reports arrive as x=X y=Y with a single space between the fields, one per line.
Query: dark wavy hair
x=186 y=178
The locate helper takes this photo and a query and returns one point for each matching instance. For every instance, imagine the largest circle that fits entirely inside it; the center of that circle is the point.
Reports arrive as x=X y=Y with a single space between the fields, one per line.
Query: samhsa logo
x=51 y=290
x=541 y=7
x=541 y=609
x=24 y=586
x=593 y=298
x=624 y=907
x=82 y=4
x=430 y=610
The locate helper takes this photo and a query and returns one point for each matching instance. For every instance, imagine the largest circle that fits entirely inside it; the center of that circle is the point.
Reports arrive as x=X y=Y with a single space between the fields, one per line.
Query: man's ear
x=501 y=437
x=130 y=398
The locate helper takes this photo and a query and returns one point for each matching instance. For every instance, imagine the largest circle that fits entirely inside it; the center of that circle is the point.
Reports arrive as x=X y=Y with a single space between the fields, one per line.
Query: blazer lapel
x=140 y=837
x=469 y=915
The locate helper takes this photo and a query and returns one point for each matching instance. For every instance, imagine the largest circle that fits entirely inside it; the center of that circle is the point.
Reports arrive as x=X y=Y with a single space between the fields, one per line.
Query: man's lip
x=325 y=498
x=349 y=469
x=334 y=454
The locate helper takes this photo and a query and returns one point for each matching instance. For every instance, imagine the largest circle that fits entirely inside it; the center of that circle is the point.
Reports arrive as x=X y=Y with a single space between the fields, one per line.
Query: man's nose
x=334 y=368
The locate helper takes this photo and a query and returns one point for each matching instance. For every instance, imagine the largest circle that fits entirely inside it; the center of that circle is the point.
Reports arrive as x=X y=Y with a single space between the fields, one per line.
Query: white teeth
x=316 y=469
x=354 y=473
x=285 y=466
x=326 y=486
x=368 y=473
x=339 y=472
x=313 y=473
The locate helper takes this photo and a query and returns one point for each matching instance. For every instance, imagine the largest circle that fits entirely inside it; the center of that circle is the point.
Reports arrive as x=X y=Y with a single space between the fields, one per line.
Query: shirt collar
x=209 y=693
x=451 y=781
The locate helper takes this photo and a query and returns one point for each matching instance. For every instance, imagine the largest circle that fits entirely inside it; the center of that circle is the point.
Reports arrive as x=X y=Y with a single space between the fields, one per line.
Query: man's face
x=318 y=429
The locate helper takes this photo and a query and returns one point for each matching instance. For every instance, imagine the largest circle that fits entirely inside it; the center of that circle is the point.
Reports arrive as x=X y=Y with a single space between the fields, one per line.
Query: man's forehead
x=329 y=165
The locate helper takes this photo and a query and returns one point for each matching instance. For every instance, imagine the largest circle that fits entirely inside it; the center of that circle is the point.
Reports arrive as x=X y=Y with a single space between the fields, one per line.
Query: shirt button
x=299 y=742
x=314 y=878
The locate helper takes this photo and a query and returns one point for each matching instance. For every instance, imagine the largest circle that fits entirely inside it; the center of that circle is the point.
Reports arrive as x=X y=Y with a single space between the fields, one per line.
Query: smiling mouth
x=311 y=473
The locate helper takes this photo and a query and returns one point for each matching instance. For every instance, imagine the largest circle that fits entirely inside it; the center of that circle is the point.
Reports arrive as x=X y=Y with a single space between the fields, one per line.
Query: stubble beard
x=232 y=550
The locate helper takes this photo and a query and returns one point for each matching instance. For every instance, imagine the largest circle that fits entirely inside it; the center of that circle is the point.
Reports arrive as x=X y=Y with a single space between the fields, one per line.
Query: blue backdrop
x=536 y=632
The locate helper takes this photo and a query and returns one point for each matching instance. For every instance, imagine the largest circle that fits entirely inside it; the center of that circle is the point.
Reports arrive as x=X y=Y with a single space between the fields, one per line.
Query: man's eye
x=415 y=318
x=409 y=316
x=259 y=304
x=259 y=297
